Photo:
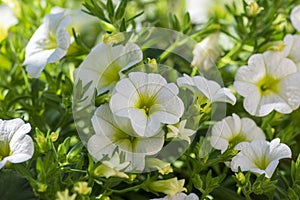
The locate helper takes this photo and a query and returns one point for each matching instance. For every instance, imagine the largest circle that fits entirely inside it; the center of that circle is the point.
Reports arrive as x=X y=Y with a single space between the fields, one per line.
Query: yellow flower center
x=4 y=149
x=233 y=141
x=145 y=103
x=268 y=84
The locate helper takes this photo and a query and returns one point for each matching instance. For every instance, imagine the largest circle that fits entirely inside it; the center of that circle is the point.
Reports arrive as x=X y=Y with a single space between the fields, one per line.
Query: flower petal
x=295 y=17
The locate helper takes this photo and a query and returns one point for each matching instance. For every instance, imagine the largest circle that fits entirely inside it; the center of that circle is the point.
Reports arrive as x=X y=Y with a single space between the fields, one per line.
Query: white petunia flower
x=260 y=156
x=179 y=131
x=208 y=89
x=15 y=145
x=8 y=19
x=206 y=53
x=292 y=49
x=179 y=196
x=233 y=130
x=112 y=167
x=268 y=83
x=113 y=132
x=48 y=44
x=148 y=101
x=295 y=17
x=105 y=63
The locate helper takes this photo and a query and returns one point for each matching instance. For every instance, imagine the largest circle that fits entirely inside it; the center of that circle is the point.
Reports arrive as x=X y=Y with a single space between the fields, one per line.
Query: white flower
x=105 y=63
x=15 y=145
x=148 y=101
x=8 y=19
x=207 y=52
x=269 y=82
x=111 y=135
x=179 y=131
x=295 y=17
x=233 y=130
x=170 y=186
x=260 y=156
x=208 y=89
x=48 y=44
x=112 y=167
x=292 y=49
x=179 y=196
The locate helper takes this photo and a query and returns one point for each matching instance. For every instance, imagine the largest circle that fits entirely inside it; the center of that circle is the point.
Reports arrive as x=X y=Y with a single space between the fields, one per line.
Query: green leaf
x=14 y=187
x=121 y=10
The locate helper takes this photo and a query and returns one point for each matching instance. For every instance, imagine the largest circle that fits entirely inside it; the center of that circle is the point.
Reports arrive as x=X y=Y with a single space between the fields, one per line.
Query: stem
x=136 y=187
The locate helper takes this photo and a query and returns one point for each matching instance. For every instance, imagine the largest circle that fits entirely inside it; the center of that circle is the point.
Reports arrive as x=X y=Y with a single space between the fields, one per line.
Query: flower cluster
x=270 y=80
x=142 y=105
x=256 y=153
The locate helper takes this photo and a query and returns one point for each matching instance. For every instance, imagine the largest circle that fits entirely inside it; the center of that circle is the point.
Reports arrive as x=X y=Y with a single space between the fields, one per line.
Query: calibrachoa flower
x=260 y=156
x=111 y=135
x=268 y=83
x=295 y=17
x=15 y=145
x=48 y=44
x=206 y=89
x=148 y=101
x=112 y=167
x=179 y=131
x=170 y=186
x=179 y=196
x=207 y=52
x=8 y=19
x=233 y=130
x=105 y=63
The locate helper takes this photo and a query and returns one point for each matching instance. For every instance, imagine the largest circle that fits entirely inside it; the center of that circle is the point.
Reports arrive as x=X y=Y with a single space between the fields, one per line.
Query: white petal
x=99 y=146
x=289 y=90
x=279 y=150
x=295 y=17
x=271 y=168
x=254 y=71
x=251 y=131
x=241 y=161
x=292 y=47
x=9 y=127
x=22 y=149
x=272 y=101
x=224 y=95
x=7 y=17
x=219 y=143
x=107 y=61
x=277 y=66
x=252 y=104
x=245 y=88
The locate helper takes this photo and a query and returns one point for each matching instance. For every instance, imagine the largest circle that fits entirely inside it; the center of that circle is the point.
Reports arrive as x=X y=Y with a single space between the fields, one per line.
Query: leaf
x=14 y=187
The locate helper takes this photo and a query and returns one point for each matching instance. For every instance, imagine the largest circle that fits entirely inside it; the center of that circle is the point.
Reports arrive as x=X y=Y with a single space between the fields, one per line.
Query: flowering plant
x=104 y=99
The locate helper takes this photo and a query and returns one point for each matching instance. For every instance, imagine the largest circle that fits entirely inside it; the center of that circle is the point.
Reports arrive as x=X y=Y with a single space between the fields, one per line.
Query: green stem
x=136 y=187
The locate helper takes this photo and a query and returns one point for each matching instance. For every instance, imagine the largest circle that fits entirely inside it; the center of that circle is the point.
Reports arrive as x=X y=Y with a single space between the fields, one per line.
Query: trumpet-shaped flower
x=295 y=17
x=207 y=52
x=269 y=82
x=208 y=89
x=179 y=131
x=8 y=19
x=114 y=133
x=179 y=196
x=105 y=63
x=169 y=187
x=48 y=44
x=112 y=167
x=233 y=130
x=15 y=145
x=260 y=156
x=148 y=101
